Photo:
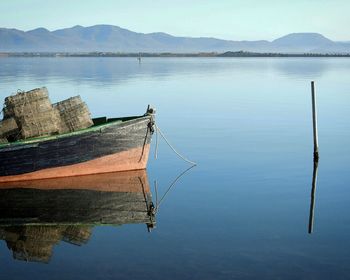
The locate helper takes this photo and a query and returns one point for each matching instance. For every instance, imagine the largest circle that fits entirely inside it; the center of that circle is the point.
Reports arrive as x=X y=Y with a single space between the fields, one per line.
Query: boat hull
x=119 y=146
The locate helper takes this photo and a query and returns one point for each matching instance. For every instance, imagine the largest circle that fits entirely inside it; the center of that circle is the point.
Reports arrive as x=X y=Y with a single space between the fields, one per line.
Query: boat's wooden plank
x=76 y=149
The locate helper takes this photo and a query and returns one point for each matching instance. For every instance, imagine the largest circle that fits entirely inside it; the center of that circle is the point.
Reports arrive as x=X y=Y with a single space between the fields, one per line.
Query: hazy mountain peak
x=40 y=30
x=104 y=37
x=303 y=38
x=105 y=27
x=160 y=34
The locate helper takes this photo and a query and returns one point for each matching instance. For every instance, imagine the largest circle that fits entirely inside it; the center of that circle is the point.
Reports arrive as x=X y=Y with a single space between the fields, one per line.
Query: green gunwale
x=109 y=122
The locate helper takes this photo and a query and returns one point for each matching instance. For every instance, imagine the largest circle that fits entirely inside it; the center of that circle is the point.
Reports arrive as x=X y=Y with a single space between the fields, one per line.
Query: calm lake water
x=243 y=211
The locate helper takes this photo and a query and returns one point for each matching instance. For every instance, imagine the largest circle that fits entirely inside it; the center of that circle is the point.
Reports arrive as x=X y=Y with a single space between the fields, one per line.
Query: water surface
x=243 y=212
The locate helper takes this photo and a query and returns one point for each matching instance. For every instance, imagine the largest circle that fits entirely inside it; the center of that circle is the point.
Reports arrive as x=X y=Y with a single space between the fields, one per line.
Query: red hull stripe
x=133 y=159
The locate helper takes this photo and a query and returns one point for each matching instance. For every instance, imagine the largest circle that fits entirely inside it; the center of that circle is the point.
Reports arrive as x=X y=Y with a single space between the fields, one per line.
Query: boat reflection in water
x=36 y=215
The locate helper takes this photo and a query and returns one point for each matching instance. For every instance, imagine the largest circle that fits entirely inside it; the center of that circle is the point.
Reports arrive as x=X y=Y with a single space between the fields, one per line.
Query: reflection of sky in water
x=243 y=211
x=104 y=71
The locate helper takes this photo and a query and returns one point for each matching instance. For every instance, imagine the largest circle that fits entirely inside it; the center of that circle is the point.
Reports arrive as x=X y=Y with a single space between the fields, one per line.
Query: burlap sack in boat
x=45 y=123
x=8 y=127
x=31 y=108
x=68 y=103
x=28 y=108
x=26 y=97
x=27 y=103
x=33 y=113
x=74 y=113
x=62 y=127
x=77 y=117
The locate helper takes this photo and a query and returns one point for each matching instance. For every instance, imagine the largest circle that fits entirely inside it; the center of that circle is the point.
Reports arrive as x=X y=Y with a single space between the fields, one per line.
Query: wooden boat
x=110 y=145
x=35 y=215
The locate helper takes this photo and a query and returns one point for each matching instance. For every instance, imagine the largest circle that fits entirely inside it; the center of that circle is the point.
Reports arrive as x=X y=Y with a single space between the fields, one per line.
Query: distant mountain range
x=109 y=38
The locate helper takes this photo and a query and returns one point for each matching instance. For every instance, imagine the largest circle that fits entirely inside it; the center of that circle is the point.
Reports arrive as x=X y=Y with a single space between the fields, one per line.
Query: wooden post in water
x=314 y=121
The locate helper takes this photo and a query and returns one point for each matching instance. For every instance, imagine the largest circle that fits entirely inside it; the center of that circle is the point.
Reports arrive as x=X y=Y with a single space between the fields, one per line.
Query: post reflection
x=313 y=194
x=37 y=215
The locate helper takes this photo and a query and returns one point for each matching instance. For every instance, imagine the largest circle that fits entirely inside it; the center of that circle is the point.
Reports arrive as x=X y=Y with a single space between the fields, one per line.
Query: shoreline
x=167 y=54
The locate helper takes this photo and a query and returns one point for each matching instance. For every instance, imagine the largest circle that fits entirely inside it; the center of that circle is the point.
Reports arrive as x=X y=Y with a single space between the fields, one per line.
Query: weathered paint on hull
x=132 y=159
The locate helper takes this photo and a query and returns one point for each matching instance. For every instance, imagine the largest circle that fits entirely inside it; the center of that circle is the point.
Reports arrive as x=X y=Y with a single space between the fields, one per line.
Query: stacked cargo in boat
x=31 y=114
x=74 y=114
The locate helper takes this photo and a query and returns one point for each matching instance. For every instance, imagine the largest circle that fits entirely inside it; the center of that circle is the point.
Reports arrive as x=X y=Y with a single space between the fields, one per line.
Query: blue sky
x=235 y=20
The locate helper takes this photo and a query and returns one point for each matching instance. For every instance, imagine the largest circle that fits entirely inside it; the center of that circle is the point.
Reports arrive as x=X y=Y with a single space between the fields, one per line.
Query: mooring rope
x=174 y=150
x=193 y=164
x=170 y=187
x=156 y=149
x=156 y=190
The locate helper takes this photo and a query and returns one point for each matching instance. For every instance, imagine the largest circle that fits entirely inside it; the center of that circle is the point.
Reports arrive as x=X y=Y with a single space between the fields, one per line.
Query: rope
x=156 y=149
x=156 y=190
x=176 y=152
x=170 y=187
